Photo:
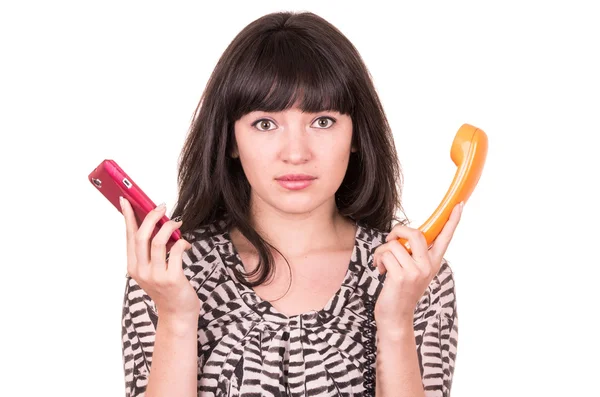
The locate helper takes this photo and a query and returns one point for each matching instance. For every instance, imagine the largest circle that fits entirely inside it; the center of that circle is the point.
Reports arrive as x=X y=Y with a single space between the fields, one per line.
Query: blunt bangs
x=281 y=70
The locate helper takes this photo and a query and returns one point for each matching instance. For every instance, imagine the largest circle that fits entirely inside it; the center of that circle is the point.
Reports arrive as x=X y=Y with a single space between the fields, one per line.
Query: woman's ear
x=234 y=152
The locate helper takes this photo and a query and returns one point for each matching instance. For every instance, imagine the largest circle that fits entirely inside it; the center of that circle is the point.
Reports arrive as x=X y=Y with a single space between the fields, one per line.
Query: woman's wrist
x=179 y=324
x=396 y=331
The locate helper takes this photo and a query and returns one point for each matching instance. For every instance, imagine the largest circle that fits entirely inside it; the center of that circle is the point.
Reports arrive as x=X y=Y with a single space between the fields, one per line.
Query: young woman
x=290 y=280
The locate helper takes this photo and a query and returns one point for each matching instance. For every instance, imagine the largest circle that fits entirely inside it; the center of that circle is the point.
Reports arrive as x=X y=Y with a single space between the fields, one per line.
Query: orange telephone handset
x=468 y=152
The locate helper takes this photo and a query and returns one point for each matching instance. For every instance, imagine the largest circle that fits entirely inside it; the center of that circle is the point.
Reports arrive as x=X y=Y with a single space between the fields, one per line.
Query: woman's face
x=271 y=145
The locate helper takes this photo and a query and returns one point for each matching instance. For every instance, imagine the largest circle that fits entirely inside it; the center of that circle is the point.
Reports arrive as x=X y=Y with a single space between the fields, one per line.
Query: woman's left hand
x=408 y=275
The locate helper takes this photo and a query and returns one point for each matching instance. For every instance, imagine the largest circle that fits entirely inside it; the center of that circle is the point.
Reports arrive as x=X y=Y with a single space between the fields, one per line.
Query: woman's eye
x=321 y=122
x=262 y=123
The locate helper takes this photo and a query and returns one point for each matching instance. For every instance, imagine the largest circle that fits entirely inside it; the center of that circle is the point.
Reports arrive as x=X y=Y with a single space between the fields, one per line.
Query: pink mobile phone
x=110 y=180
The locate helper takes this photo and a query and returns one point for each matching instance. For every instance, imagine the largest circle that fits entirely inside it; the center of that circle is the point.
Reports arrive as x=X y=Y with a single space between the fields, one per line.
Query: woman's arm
x=418 y=358
x=174 y=370
x=397 y=368
x=159 y=354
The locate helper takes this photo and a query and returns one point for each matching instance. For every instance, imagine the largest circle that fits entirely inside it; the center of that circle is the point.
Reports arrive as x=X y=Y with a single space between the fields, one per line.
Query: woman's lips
x=295 y=181
x=295 y=185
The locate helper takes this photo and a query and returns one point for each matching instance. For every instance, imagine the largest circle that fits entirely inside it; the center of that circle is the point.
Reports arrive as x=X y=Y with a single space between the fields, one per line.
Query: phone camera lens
x=97 y=182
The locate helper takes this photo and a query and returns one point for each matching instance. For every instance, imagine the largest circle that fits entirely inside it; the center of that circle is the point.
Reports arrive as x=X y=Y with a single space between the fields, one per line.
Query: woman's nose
x=296 y=146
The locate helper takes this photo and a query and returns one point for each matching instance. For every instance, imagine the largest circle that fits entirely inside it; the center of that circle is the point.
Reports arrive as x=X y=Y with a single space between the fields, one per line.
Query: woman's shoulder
x=205 y=232
x=370 y=235
x=203 y=240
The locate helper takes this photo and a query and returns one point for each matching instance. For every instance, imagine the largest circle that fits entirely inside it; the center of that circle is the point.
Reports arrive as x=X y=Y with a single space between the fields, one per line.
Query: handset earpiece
x=468 y=152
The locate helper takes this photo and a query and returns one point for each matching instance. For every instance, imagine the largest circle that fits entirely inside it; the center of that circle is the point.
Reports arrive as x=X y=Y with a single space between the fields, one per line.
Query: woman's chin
x=297 y=204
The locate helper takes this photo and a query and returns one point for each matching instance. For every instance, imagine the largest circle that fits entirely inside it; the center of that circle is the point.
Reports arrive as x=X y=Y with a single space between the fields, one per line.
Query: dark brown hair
x=273 y=62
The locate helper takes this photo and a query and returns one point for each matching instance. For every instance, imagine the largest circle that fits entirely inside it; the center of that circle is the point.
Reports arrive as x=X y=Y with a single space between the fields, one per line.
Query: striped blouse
x=247 y=348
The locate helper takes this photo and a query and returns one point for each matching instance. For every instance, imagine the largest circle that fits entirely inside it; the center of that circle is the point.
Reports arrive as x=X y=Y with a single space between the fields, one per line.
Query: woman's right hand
x=163 y=281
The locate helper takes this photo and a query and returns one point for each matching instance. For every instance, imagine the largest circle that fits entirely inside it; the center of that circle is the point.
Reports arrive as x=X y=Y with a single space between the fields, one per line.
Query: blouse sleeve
x=138 y=326
x=436 y=333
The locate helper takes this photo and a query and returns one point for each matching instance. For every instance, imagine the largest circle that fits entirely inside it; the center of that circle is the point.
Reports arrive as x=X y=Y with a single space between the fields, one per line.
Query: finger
x=131 y=228
x=131 y=225
x=142 y=237
x=158 y=247
x=388 y=263
x=175 y=257
x=442 y=241
x=416 y=241
x=395 y=248
x=406 y=261
x=398 y=262
x=377 y=254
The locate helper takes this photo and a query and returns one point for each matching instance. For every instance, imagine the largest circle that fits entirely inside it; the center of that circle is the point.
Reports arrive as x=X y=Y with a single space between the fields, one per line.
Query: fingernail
x=121 y=202
x=177 y=219
x=160 y=207
x=462 y=204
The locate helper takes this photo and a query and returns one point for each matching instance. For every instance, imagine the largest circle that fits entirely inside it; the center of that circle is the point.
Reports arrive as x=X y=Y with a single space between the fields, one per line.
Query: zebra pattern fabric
x=247 y=348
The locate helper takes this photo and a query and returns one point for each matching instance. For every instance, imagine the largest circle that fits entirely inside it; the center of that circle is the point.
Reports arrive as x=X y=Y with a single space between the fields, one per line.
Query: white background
x=84 y=81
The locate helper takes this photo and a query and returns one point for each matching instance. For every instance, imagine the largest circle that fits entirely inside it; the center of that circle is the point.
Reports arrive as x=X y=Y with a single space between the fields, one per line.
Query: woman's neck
x=296 y=238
